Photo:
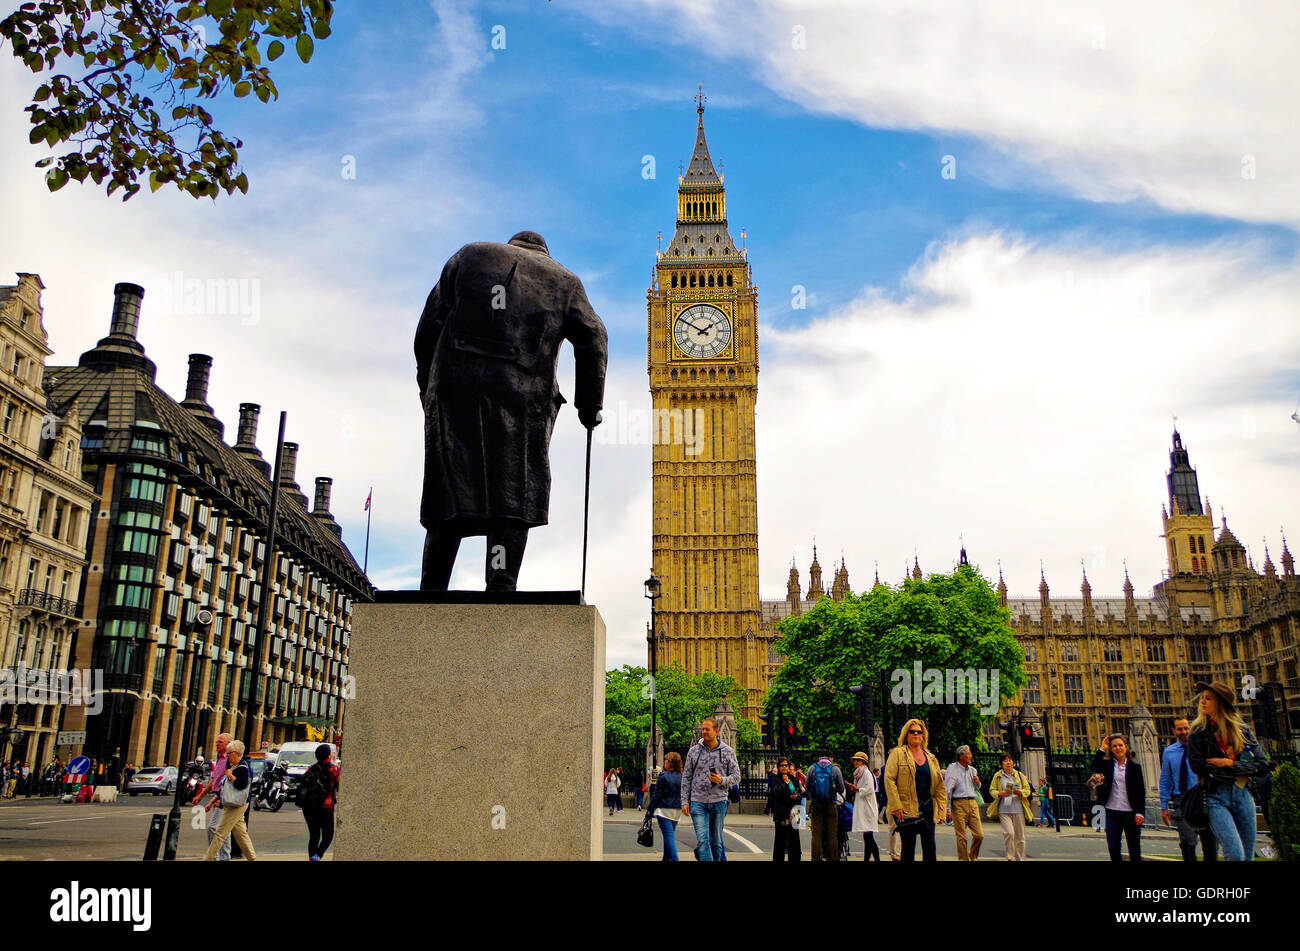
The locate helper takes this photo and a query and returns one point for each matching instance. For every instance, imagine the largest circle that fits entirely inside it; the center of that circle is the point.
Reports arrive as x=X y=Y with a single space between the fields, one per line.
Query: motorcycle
x=272 y=791
x=192 y=779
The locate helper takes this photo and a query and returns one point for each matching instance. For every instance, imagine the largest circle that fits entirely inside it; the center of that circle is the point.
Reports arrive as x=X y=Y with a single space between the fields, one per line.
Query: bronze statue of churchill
x=486 y=349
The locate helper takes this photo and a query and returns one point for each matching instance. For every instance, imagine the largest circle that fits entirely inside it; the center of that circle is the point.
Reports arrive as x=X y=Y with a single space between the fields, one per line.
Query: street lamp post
x=652 y=592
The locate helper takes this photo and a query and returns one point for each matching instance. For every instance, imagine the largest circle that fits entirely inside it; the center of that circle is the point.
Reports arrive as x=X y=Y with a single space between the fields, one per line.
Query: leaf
x=218 y=8
x=304 y=47
x=275 y=51
x=320 y=29
x=42 y=163
x=155 y=182
x=42 y=93
x=242 y=89
x=263 y=93
x=56 y=178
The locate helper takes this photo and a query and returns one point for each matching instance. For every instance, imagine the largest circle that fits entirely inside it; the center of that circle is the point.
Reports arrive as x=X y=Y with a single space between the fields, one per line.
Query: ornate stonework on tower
x=702 y=345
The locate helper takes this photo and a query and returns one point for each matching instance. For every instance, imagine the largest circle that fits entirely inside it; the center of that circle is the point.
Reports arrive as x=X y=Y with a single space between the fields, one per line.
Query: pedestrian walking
x=213 y=785
x=618 y=800
x=783 y=794
x=1122 y=790
x=1013 y=805
x=12 y=773
x=1045 y=803
x=233 y=796
x=1176 y=779
x=961 y=783
x=317 y=794
x=709 y=773
x=917 y=799
x=1225 y=755
x=666 y=803
x=866 y=813
x=639 y=787
x=612 y=783
x=825 y=787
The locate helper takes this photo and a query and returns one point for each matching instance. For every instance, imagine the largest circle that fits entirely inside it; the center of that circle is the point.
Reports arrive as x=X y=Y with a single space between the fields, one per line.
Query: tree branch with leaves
x=127 y=78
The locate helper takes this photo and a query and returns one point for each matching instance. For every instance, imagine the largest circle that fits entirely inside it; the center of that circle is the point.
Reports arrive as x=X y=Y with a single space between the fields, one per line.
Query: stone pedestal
x=475 y=729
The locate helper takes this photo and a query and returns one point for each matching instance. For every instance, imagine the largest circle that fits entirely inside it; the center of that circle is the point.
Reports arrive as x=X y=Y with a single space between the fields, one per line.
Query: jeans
x=611 y=800
x=707 y=818
x=1045 y=810
x=668 y=829
x=1232 y=820
x=1121 y=825
x=214 y=820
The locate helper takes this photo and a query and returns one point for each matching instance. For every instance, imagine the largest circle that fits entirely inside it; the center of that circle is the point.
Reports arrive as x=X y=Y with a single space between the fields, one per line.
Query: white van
x=297 y=757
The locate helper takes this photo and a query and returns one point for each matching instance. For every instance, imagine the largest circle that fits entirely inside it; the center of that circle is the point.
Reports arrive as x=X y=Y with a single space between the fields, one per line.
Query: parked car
x=159 y=780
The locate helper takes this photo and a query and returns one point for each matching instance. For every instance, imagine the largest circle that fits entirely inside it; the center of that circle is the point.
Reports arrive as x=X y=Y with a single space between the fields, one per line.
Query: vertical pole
x=260 y=635
x=1051 y=775
x=370 y=504
x=263 y=607
x=654 y=690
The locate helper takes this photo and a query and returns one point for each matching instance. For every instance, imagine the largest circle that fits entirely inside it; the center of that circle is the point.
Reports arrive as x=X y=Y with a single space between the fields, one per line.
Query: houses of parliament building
x=1091 y=661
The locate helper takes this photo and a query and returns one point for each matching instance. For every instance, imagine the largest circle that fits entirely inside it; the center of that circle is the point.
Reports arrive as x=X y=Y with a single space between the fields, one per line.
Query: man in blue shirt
x=1175 y=779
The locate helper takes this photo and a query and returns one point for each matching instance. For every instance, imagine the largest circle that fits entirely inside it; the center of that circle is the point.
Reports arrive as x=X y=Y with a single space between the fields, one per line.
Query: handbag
x=733 y=794
x=646 y=835
x=1193 y=807
x=232 y=797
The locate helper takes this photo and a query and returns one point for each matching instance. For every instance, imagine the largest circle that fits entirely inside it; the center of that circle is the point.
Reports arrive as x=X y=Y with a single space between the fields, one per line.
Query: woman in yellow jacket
x=1010 y=791
x=914 y=785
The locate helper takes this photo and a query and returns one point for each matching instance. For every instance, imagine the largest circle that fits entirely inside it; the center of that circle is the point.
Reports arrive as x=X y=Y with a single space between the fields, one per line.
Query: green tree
x=682 y=702
x=129 y=59
x=1284 y=813
x=944 y=621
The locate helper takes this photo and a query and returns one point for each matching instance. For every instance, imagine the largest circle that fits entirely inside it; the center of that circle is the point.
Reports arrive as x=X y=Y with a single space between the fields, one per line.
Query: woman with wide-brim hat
x=1225 y=755
x=866 y=814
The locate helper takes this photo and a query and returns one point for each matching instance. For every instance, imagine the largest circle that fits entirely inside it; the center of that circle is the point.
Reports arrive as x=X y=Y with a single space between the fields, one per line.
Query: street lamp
x=652 y=592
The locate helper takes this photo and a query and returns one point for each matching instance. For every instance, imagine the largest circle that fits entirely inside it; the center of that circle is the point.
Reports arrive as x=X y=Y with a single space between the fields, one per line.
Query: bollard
x=155 y=837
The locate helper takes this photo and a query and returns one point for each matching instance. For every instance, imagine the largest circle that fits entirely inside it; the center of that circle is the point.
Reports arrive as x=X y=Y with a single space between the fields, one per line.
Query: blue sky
x=996 y=355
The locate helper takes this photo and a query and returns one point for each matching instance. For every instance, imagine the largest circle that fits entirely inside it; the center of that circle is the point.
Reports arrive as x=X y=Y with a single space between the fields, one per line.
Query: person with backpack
x=825 y=787
x=317 y=794
x=917 y=798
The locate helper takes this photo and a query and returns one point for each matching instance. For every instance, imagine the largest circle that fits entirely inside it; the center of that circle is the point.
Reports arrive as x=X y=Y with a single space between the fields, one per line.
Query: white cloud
x=1164 y=100
x=1021 y=395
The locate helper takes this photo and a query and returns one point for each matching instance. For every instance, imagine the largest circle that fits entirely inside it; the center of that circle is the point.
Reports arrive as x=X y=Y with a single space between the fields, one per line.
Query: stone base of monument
x=475 y=728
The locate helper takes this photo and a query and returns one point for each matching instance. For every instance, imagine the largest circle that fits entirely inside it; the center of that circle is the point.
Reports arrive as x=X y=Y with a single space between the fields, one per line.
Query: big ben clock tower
x=703 y=366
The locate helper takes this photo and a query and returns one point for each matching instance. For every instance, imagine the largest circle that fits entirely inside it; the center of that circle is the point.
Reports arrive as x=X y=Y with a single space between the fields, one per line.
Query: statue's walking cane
x=586 y=508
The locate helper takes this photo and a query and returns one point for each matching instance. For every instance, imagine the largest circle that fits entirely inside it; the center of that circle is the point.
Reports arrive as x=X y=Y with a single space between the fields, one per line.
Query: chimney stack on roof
x=196 y=393
x=246 y=444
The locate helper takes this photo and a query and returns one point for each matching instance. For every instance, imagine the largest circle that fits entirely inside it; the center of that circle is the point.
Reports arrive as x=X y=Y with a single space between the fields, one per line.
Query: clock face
x=702 y=331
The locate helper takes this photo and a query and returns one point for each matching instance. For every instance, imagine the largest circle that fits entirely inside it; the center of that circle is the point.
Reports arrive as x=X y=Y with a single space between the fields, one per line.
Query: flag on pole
x=367 y=508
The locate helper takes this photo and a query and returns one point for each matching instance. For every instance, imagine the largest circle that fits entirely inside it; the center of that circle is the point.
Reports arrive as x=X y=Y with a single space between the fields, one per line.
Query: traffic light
x=1027 y=738
x=862 y=712
x=1011 y=738
x=767 y=729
